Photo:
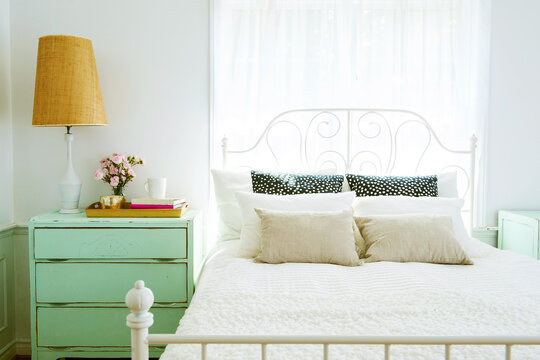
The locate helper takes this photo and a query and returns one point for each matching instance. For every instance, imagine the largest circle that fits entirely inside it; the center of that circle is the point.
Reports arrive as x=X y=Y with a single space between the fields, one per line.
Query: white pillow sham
x=226 y=184
x=305 y=236
x=447 y=184
x=398 y=205
x=251 y=224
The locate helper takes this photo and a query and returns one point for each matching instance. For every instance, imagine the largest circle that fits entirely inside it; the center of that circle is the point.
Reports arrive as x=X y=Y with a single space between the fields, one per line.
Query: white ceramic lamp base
x=70 y=186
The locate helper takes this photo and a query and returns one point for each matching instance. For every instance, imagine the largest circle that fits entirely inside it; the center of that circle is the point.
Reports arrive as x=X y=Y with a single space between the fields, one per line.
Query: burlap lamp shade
x=67 y=91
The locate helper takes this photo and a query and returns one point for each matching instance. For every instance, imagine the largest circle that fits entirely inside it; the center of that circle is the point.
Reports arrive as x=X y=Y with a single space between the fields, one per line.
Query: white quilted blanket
x=499 y=295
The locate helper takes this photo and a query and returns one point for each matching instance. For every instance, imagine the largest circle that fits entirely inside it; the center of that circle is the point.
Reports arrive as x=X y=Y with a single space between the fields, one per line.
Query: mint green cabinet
x=81 y=270
x=519 y=232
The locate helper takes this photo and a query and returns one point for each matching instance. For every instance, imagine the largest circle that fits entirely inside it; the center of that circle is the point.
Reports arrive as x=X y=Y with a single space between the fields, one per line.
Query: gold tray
x=93 y=210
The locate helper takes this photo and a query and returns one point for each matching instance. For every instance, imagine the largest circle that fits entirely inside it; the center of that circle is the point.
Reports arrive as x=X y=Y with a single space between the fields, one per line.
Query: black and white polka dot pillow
x=417 y=186
x=292 y=184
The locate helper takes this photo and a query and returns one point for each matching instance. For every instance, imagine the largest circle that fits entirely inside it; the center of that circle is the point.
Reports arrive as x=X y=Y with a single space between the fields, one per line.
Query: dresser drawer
x=110 y=243
x=108 y=282
x=96 y=326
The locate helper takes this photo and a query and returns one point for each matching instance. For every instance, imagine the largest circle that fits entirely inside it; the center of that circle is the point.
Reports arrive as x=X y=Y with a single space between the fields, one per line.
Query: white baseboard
x=23 y=347
x=9 y=351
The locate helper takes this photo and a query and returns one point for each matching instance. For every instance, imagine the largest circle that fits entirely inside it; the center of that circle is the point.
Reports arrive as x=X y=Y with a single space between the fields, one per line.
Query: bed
x=248 y=310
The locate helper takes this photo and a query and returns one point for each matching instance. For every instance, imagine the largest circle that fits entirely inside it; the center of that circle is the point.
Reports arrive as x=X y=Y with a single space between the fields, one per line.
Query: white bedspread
x=499 y=295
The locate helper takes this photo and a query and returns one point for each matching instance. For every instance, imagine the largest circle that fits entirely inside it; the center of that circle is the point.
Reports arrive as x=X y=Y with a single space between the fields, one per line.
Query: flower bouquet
x=117 y=171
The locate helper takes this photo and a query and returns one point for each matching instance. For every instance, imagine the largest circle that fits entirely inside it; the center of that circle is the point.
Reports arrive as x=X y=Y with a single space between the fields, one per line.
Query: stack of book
x=159 y=204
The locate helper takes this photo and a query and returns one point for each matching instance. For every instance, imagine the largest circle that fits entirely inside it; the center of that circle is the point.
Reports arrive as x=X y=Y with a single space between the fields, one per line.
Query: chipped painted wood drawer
x=108 y=282
x=110 y=243
x=96 y=326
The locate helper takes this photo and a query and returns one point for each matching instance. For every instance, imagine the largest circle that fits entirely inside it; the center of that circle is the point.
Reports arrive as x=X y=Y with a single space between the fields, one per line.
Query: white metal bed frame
x=354 y=140
x=347 y=135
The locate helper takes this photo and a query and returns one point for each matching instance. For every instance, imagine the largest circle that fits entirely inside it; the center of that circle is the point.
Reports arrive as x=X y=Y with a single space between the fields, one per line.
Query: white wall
x=152 y=59
x=513 y=164
x=6 y=144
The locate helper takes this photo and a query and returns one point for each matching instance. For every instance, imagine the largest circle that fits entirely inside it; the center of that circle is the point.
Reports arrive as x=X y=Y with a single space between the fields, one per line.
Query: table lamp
x=67 y=93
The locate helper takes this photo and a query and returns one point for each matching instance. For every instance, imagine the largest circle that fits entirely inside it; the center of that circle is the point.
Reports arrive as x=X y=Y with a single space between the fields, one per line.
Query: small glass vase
x=112 y=201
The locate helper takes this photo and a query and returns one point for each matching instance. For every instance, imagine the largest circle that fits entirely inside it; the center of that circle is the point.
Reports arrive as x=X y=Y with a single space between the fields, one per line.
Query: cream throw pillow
x=411 y=238
x=314 y=237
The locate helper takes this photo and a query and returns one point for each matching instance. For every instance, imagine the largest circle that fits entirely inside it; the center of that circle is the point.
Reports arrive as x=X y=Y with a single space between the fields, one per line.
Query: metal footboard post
x=139 y=300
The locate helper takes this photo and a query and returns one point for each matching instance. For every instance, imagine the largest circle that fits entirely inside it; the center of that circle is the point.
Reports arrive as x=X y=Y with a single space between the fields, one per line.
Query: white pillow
x=447 y=184
x=398 y=205
x=251 y=229
x=226 y=184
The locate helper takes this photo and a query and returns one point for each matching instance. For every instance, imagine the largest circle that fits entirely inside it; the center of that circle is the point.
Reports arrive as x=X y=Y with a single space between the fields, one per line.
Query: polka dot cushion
x=393 y=185
x=292 y=184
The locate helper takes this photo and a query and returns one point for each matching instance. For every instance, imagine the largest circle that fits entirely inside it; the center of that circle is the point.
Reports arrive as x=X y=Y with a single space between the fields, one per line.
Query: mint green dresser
x=519 y=232
x=81 y=269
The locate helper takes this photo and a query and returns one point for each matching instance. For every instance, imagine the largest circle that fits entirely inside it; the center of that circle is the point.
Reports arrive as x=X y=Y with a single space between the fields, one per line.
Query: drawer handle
x=57 y=259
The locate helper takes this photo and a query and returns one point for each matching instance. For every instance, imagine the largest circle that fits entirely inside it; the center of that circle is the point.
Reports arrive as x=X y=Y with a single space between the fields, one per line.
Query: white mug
x=155 y=187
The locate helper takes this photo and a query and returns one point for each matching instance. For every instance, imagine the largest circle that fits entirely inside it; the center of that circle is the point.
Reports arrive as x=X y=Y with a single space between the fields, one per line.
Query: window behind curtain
x=427 y=56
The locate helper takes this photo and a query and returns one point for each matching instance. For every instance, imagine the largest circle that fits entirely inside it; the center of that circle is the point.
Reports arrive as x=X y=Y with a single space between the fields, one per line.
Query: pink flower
x=98 y=174
x=117 y=169
x=117 y=158
x=114 y=181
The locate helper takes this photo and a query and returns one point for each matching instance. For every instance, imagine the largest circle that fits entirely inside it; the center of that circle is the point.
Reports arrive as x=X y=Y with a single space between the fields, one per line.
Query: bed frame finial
x=474 y=140
x=139 y=300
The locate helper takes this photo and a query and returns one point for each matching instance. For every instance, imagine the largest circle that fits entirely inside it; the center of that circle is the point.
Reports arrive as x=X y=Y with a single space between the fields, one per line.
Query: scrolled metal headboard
x=370 y=141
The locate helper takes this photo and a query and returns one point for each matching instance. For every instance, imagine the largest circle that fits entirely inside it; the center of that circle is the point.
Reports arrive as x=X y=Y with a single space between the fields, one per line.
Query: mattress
x=498 y=295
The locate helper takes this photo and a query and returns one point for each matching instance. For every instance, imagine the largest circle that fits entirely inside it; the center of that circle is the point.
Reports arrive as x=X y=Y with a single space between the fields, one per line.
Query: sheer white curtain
x=428 y=56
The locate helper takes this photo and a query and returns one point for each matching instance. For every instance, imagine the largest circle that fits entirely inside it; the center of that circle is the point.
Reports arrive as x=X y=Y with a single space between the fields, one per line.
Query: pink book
x=145 y=206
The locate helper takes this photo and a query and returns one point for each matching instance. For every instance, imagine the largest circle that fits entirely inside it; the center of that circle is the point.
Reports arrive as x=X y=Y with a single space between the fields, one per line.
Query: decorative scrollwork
x=270 y=128
x=370 y=125
x=327 y=123
x=394 y=141
x=372 y=160
x=324 y=158
x=373 y=120
x=324 y=121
